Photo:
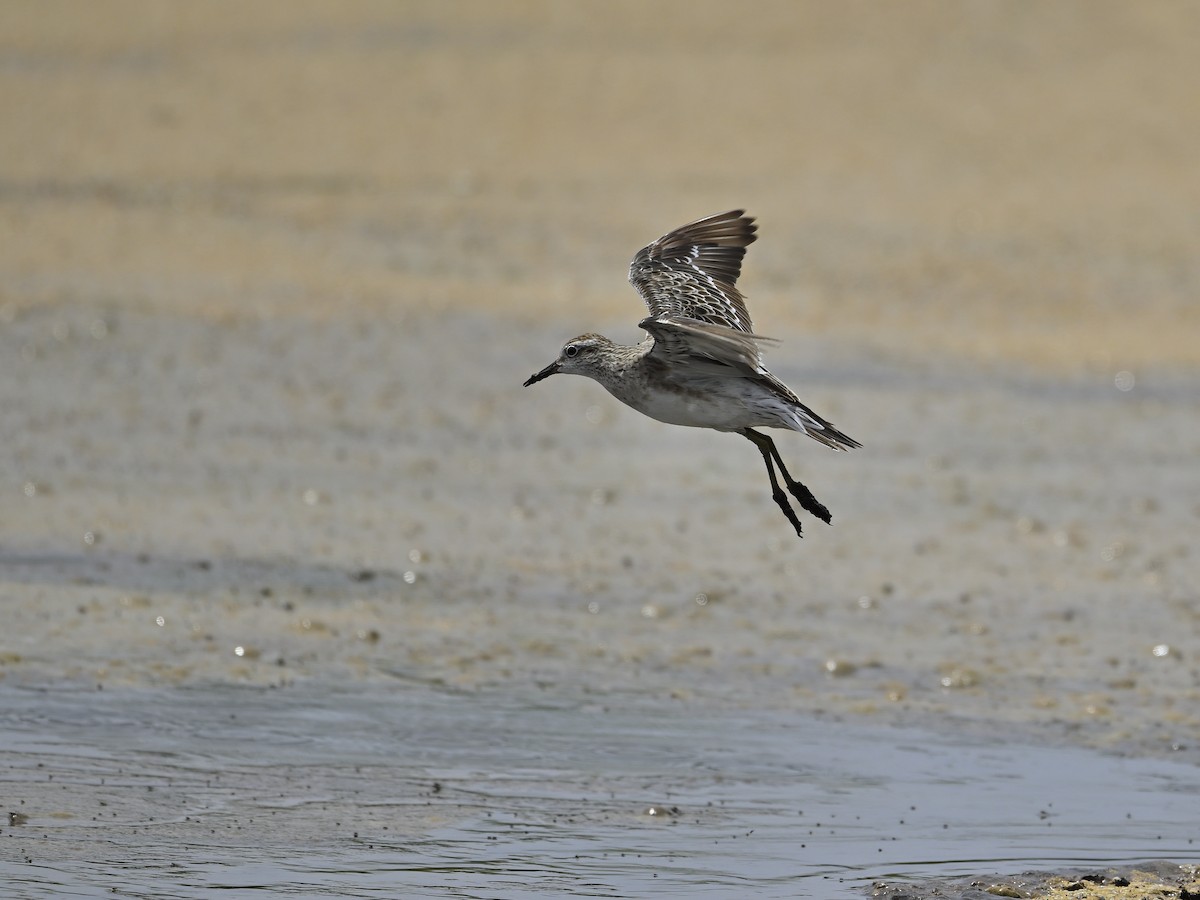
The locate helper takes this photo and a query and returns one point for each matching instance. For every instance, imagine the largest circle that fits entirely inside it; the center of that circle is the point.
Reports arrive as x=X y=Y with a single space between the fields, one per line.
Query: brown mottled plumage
x=702 y=364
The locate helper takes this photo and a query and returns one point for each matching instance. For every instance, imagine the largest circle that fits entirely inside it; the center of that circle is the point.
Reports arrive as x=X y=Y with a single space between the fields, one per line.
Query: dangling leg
x=765 y=447
x=800 y=491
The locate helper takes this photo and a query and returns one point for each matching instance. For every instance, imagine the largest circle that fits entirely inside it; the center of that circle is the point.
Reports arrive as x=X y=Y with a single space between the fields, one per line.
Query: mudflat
x=271 y=276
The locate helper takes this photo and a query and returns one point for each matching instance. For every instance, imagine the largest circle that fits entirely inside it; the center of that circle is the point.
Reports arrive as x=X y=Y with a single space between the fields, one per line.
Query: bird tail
x=819 y=429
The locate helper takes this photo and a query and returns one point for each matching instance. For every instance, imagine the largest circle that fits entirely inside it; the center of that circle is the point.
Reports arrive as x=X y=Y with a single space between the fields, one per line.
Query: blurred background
x=271 y=276
x=990 y=180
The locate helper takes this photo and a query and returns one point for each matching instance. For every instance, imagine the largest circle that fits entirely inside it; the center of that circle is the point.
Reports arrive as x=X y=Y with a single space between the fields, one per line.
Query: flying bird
x=701 y=365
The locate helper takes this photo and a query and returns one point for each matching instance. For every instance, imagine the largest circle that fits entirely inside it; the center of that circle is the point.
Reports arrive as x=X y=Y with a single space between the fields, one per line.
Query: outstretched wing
x=692 y=272
x=702 y=348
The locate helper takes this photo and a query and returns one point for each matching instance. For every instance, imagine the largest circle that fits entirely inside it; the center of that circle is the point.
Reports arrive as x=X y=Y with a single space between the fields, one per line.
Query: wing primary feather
x=692 y=272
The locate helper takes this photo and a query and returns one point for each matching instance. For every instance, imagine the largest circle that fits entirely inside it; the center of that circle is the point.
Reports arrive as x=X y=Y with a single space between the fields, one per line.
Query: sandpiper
x=702 y=364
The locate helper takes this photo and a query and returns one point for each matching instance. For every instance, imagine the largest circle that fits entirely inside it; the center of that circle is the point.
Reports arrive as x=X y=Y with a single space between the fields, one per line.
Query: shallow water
x=374 y=792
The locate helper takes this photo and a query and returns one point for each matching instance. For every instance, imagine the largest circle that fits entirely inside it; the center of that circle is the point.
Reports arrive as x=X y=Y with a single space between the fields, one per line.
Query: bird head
x=579 y=356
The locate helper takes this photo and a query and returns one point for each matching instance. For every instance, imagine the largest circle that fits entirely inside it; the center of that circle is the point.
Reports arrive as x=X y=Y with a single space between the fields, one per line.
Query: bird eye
x=571 y=352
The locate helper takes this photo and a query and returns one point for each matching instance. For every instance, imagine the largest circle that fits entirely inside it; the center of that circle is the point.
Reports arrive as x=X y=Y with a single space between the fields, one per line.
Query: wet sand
x=273 y=276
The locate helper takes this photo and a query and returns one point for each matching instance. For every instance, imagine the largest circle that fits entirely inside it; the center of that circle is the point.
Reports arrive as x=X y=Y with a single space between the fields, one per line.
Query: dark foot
x=808 y=501
x=781 y=498
x=772 y=459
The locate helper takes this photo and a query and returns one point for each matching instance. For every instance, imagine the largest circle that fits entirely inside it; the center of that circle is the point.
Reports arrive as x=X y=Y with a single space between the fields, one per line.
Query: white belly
x=723 y=410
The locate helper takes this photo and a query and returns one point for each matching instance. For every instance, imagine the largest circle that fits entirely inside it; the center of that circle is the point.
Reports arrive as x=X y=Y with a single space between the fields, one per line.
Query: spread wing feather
x=702 y=347
x=692 y=272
